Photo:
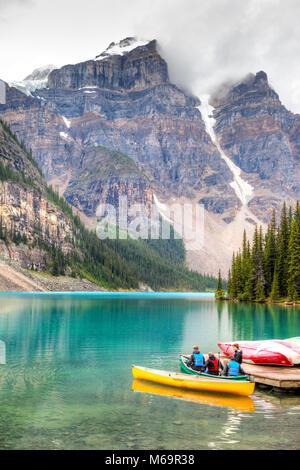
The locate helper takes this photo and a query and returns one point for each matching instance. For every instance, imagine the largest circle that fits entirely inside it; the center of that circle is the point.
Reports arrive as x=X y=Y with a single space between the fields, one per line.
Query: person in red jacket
x=213 y=365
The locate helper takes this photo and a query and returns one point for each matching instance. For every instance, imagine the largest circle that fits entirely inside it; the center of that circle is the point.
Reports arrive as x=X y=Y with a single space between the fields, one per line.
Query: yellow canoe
x=193 y=382
x=236 y=402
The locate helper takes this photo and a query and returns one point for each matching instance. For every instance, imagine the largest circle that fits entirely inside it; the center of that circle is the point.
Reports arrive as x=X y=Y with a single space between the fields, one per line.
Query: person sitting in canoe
x=233 y=368
x=213 y=365
x=196 y=360
x=238 y=353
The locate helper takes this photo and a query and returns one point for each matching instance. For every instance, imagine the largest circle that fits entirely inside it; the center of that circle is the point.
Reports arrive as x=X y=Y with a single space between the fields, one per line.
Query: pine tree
x=258 y=278
x=234 y=291
x=55 y=267
x=229 y=285
x=245 y=246
x=290 y=218
x=259 y=291
x=275 y=292
x=270 y=254
x=239 y=274
x=249 y=285
x=297 y=214
x=245 y=262
x=220 y=293
x=1 y=229
x=294 y=262
x=283 y=248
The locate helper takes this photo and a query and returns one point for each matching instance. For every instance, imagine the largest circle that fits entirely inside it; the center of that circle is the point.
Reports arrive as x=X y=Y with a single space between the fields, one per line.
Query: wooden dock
x=284 y=379
x=281 y=378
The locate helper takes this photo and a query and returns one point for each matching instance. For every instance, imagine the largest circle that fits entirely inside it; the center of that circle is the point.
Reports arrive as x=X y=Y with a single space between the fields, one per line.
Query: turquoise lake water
x=67 y=381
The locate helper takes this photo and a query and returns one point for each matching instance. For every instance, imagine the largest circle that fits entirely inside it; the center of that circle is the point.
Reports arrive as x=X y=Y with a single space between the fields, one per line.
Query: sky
x=205 y=42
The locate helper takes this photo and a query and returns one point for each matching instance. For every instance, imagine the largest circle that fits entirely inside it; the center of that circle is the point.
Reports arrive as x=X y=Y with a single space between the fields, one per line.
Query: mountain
x=258 y=139
x=263 y=139
x=115 y=125
x=39 y=232
x=122 y=100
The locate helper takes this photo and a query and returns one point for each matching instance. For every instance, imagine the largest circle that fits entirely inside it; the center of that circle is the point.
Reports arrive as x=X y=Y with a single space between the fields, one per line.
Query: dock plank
x=279 y=377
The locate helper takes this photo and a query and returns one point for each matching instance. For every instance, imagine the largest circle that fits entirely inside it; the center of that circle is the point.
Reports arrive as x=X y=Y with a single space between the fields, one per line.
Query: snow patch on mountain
x=162 y=209
x=242 y=189
x=67 y=122
x=122 y=47
x=37 y=80
x=64 y=135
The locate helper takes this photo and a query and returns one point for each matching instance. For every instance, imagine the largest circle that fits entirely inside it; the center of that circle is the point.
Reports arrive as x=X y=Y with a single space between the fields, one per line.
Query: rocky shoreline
x=13 y=278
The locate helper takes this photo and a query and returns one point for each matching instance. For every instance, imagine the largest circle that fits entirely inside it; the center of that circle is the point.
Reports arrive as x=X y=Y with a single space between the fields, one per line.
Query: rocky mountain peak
x=261 y=77
x=40 y=73
x=261 y=137
x=128 y=65
x=122 y=47
x=257 y=82
x=252 y=85
x=37 y=80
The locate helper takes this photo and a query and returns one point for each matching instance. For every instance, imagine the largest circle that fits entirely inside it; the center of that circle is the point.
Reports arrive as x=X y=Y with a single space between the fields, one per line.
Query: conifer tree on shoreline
x=269 y=267
x=220 y=292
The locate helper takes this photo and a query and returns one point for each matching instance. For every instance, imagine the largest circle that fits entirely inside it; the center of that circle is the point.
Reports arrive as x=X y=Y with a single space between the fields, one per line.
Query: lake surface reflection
x=67 y=381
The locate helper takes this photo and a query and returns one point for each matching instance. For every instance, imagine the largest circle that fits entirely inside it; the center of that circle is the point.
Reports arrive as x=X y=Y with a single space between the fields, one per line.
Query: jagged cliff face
x=12 y=155
x=41 y=129
x=24 y=208
x=107 y=175
x=32 y=215
x=137 y=70
x=262 y=137
x=123 y=101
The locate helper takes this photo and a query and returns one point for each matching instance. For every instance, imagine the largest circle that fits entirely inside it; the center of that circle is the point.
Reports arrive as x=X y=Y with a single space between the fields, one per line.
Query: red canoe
x=276 y=352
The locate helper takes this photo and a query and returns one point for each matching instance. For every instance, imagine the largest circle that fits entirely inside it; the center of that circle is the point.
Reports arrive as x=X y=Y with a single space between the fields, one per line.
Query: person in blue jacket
x=233 y=368
x=196 y=361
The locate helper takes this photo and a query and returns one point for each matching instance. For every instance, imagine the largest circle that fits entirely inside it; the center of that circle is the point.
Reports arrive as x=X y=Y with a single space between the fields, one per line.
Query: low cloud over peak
x=206 y=43
x=212 y=42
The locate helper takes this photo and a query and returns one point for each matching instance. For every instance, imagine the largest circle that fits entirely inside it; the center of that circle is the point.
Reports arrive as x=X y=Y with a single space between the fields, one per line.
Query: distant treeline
x=269 y=267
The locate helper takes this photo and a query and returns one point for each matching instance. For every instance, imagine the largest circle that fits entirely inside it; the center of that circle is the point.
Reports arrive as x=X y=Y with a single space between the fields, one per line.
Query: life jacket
x=234 y=368
x=213 y=365
x=199 y=359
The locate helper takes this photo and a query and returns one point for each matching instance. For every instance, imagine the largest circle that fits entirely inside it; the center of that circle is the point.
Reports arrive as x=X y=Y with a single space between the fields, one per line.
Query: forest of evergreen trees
x=268 y=269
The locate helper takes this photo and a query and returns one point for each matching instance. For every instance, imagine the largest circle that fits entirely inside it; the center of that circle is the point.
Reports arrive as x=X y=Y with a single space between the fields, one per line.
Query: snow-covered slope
x=121 y=47
x=242 y=189
x=35 y=81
